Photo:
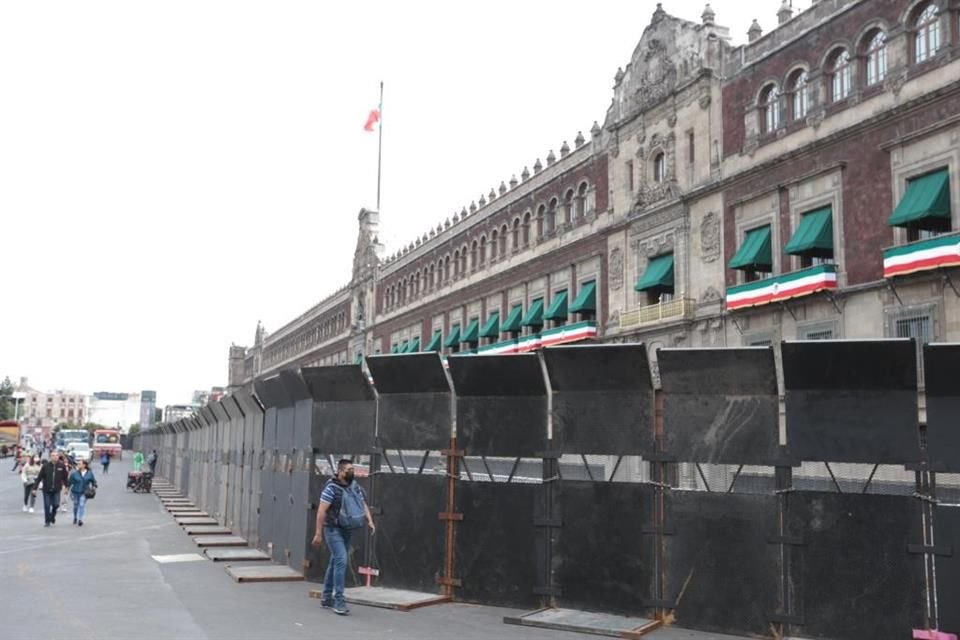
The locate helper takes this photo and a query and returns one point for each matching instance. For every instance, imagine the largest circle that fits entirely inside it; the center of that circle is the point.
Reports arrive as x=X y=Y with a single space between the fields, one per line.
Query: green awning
x=659 y=274
x=404 y=346
x=534 y=317
x=514 y=321
x=925 y=203
x=492 y=327
x=814 y=235
x=558 y=308
x=395 y=348
x=359 y=359
x=586 y=301
x=453 y=338
x=414 y=345
x=434 y=344
x=755 y=250
x=472 y=333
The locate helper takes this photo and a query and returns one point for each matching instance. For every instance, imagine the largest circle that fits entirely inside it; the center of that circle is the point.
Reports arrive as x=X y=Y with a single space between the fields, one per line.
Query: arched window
x=770 y=108
x=432 y=278
x=456 y=263
x=541 y=214
x=841 y=75
x=582 y=200
x=800 y=90
x=568 y=207
x=659 y=167
x=926 y=35
x=474 y=255
x=483 y=250
x=494 y=244
x=463 y=260
x=516 y=233
x=503 y=240
x=875 y=55
x=446 y=269
x=526 y=229
x=552 y=216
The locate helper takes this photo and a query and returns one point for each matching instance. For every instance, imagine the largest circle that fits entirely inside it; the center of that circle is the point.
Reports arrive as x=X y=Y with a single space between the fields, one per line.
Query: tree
x=134 y=429
x=6 y=401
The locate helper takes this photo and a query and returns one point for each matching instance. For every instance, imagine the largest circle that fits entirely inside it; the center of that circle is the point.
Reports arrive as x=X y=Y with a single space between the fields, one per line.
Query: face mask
x=348 y=476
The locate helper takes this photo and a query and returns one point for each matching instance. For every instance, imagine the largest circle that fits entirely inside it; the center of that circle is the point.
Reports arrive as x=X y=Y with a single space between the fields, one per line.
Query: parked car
x=80 y=451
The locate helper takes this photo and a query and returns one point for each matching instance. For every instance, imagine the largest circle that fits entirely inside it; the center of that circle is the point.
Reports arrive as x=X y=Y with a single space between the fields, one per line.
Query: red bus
x=106 y=440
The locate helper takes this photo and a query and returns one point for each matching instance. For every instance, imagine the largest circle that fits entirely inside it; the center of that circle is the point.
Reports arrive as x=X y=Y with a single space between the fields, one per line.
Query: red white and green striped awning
x=934 y=253
x=782 y=287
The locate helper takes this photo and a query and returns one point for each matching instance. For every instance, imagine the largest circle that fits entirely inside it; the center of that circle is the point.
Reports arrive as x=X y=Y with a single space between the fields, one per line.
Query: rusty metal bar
x=833 y=477
x=870 y=479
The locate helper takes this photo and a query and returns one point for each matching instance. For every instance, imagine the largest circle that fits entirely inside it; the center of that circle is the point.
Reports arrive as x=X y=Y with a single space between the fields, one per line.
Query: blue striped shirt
x=332 y=495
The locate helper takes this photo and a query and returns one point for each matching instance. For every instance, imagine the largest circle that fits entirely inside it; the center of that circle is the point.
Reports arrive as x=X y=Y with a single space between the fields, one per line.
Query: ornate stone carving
x=710 y=295
x=613 y=322
x=894 y=81
x=710 y=237
x=815 y=118
x=616 y=269
x=705 y=99
x=643 y=223
x=649 y=194
x=659 y=75
x=657 y=245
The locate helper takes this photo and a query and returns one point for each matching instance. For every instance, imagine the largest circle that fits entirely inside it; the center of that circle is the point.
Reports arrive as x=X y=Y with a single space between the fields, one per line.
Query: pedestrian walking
x=29 y=475
x=17 y=454
x=83 y=486
x=105 y=462
x=137 y=460
x=53 y=478
x=343 y=510
x=152 y=461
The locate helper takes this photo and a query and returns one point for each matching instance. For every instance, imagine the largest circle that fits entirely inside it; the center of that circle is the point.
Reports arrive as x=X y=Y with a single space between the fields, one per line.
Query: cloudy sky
x=173 y=172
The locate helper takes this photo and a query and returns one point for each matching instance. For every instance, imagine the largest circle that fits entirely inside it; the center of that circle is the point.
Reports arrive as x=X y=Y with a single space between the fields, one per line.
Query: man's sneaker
x=31 y=509
x=326 y=604
x=24 y=508
x=341 y=610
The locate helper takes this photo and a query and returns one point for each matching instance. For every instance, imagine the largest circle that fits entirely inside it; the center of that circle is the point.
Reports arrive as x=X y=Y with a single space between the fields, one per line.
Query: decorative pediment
x=670 y=51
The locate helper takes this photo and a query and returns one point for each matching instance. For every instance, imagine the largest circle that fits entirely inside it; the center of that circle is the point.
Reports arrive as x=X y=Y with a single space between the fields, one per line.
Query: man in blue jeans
x=53 y=476
x=337 y=537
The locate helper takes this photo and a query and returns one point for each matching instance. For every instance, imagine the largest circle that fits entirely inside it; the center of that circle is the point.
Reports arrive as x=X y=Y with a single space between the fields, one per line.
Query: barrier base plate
x=257 y=573
x=220 y=541
x=397 y=599
x=185 y=520
x=228 y=554
x=207 y=530
x=602 y=624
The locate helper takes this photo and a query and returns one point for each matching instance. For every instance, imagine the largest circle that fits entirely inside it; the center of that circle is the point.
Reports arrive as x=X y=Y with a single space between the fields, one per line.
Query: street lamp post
x=17 y=396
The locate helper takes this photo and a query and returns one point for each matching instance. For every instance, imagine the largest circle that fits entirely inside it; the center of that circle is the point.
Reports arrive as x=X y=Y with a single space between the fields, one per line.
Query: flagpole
x=380 y=146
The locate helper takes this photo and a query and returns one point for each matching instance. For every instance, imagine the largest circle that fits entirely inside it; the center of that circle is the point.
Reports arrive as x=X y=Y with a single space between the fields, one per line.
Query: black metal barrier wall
x=451 y=449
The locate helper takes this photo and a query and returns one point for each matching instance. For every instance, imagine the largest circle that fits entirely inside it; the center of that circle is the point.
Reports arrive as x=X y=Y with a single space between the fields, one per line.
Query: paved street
x=102 y=583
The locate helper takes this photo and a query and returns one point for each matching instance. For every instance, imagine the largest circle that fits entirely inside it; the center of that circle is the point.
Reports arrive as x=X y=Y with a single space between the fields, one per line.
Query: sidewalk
x=102 y=583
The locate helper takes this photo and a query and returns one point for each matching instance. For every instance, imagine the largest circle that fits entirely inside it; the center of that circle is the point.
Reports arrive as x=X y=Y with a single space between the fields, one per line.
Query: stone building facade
x=803 y=185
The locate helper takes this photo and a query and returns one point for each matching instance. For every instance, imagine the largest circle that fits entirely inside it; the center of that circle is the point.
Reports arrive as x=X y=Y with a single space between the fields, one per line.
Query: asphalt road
x=101 y=582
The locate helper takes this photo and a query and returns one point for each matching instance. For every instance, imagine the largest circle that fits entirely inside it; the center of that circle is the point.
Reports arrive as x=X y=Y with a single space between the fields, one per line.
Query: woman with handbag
x=83 y=487
x=29 y=475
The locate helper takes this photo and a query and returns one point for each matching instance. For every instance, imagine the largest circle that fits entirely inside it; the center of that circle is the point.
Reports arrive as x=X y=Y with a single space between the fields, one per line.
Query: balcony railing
x=676 y=309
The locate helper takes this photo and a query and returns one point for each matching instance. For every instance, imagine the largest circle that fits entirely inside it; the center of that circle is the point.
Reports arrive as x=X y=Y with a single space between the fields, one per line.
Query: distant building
x=41 y=411
x=202 y=397
x=148 y=407
x=113 y=409
x=174 y=412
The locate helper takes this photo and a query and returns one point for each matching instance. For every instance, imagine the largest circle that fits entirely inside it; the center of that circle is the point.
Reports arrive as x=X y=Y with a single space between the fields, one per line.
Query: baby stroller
x=140 y=481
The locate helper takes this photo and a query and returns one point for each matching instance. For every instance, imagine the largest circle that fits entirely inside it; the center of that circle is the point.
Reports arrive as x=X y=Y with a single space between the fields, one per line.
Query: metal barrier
x=754 y=556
